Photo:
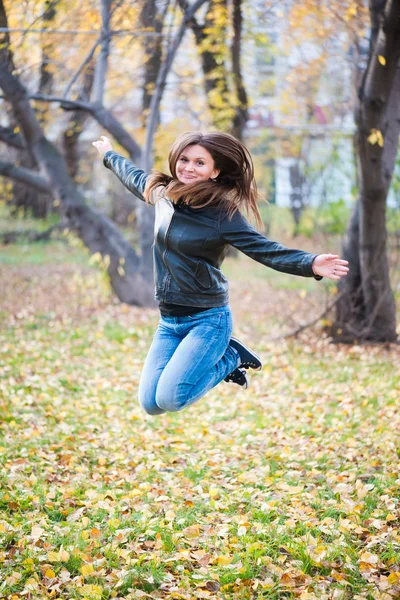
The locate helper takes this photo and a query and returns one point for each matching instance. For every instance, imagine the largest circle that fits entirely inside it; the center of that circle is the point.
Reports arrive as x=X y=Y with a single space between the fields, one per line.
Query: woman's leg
x=200 y=362
x=163 y=346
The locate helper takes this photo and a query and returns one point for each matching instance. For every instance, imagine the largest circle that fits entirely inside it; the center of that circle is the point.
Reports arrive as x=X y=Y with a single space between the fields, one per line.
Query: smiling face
x=194 y=164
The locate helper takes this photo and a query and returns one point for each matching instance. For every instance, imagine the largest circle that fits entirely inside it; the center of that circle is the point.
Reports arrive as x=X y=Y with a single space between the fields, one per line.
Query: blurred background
x=294 y=80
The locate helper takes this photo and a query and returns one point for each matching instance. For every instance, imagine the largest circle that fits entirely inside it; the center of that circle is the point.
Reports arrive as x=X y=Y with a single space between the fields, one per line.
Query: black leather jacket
x=190 y=245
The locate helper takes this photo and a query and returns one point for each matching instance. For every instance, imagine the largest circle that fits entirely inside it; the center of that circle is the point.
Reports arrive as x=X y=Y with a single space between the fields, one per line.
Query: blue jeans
x=187 y=358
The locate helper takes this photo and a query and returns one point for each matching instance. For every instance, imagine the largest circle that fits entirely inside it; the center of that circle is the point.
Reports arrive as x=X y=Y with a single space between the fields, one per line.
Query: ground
x=287 y=490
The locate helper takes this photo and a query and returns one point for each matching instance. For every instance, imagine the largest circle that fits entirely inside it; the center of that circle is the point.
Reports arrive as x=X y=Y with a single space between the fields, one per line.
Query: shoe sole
x=250 y=351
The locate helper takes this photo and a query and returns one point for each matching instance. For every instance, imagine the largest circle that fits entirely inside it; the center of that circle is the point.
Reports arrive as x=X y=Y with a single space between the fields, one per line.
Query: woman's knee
x=149 y=405
x=169 y=401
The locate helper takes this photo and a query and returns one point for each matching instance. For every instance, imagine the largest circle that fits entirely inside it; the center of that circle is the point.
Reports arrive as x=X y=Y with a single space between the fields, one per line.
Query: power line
x=79 y=31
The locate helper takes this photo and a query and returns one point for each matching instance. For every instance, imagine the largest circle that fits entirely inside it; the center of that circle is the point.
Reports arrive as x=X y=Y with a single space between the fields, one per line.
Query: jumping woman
x=198 y=216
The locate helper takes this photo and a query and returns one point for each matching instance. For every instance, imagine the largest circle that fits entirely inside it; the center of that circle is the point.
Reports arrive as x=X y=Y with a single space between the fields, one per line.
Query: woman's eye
x=200 y=164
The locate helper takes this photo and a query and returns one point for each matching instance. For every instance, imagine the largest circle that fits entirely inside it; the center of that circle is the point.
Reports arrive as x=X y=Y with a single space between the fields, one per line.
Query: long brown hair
x=235 y=187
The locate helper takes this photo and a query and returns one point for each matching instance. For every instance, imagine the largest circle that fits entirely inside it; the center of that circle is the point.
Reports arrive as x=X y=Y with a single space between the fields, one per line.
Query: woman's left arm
x=239 y=233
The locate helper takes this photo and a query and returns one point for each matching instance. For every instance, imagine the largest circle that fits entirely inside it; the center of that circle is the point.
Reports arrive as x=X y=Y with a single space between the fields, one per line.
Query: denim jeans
x=187 y=358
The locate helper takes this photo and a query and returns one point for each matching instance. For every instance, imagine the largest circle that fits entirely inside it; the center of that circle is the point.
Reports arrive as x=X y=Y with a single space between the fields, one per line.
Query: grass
x=288 y=490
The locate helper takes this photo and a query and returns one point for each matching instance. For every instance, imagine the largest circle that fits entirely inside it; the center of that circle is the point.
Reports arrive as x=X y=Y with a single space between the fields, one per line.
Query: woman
x=198 y=215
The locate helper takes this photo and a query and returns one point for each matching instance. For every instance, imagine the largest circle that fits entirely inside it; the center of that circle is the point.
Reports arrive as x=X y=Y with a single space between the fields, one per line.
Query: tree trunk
x=151 y=20
x=97 y=232
x=366 y=310
x=297 y=181
x=129 y=274
x=29 y=199
x=75 y=125
x=241 y=113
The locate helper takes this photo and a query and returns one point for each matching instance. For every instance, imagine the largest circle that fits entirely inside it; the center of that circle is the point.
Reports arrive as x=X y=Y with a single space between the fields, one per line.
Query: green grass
x=286 y=490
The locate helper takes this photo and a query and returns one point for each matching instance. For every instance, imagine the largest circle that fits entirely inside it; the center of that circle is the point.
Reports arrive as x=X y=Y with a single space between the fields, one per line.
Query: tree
x=223 y=84
x=366 y=309
x=130 y=275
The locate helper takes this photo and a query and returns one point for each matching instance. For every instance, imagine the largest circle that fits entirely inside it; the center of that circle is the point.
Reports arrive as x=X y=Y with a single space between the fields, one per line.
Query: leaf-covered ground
x=287 y=490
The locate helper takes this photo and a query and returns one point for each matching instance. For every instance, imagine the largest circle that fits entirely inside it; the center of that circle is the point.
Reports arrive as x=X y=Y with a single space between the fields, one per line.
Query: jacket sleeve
x=239 y=233
x=133 y=178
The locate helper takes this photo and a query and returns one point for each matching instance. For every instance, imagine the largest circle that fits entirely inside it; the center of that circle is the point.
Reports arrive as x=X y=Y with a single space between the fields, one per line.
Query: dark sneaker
x=238 y=376
x=248 y=358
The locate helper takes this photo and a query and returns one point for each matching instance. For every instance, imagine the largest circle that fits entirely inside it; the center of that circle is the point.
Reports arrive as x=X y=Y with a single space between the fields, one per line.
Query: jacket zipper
x=166 y=247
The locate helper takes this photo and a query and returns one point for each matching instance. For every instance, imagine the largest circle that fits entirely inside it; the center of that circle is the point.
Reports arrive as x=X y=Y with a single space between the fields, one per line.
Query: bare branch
x=102 y=116
x=8 y=169
x=10 y=237
x=301 y=328
x=162 y=79
x=130 y=32
x=85 y=62
x=8 y=136
x=102 y=62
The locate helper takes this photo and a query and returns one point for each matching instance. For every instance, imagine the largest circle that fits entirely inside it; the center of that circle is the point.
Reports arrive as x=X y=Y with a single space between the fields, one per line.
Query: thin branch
x=9 y=169
x=8 y=136
x=102 y=62
x=298 y=330
x=161 y=81
x=10 y=237
x=85 y=62
x=102 y=116
x=131 y=32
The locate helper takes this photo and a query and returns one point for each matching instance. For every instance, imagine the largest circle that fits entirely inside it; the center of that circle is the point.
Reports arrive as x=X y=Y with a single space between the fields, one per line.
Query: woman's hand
x=103 y=145
x=330 y=265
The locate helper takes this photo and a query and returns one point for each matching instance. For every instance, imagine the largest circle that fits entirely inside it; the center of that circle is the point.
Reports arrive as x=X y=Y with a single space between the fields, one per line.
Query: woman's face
x=194 y=164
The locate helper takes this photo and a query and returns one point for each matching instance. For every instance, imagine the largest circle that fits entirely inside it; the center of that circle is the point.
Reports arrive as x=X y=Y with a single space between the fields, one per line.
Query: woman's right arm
x=133 y=178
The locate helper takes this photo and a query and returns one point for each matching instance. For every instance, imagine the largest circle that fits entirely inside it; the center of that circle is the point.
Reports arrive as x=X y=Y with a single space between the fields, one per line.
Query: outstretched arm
x=133 y=178
x=239 y=233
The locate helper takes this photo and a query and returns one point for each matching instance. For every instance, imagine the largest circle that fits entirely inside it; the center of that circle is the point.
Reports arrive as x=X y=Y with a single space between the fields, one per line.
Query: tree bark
x=129 y=273
x=152 y=20
x=367 y=309
x=76 y=122
x=23 y=196
x=242 y=113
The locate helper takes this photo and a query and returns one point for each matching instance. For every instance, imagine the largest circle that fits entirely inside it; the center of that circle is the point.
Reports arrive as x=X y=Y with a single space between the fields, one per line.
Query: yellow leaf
x=95 y=258
x=113 y=522
x=224 y=560
x=86 y=570
x=394 y=578
x=50 y=574
x=95 y=533
x=53 y=556
x=382 y=60
x=192 y=531
x=391 y=517
x=101 y=461
x=214 y=492
x=91 y=590
x=375 y=137
x=17 y=129
x=369 y=558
